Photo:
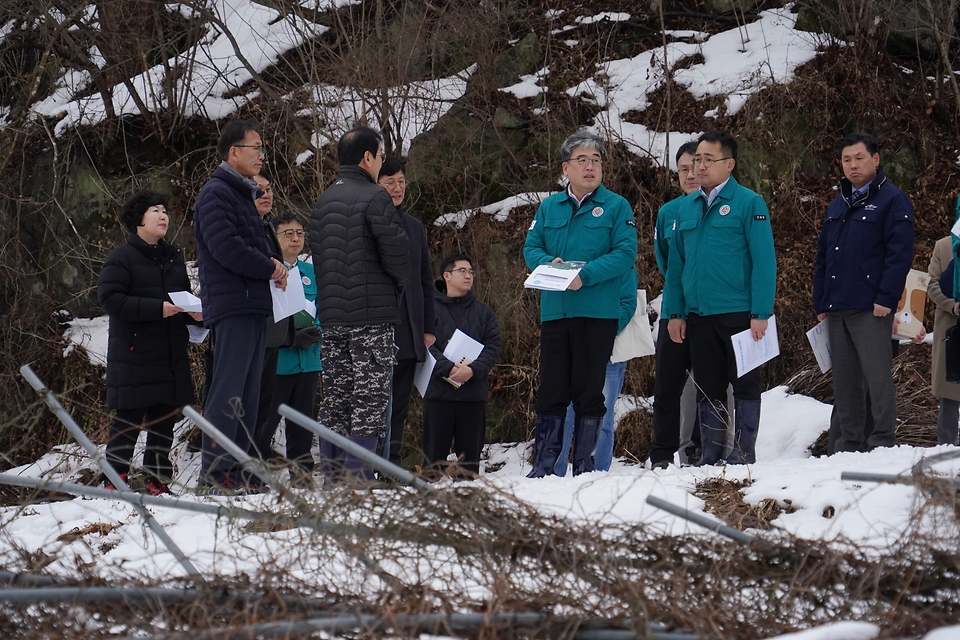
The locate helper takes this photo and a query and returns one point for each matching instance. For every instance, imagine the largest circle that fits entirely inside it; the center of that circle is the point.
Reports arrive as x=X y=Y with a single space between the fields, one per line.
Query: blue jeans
x=604 y=454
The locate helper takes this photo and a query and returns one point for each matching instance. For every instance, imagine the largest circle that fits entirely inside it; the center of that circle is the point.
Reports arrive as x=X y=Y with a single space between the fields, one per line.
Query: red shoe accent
x=109 y=485
x=156 y=488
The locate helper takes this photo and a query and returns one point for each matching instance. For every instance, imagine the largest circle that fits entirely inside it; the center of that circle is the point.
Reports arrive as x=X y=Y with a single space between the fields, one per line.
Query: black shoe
x=661 y=464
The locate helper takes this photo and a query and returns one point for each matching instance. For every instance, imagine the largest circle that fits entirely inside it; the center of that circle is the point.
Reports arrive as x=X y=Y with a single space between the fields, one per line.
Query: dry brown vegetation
x=394 y=554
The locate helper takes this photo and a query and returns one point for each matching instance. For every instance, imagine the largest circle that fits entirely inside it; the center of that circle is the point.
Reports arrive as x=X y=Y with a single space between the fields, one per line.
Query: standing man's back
x=361 y=258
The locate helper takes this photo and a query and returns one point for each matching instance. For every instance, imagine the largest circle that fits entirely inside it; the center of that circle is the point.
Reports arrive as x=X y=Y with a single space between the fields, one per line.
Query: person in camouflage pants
x=361 y=257
x=362 y=358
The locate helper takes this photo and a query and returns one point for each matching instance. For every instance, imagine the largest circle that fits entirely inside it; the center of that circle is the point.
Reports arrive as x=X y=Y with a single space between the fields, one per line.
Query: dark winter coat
x=865 y=249
x=232 y=250
x=417 y=315
x=360 y=252
x=146 y=353
x=478 y=321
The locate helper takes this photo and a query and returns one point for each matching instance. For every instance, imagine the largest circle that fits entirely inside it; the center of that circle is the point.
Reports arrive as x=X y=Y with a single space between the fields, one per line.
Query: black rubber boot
x=713 y=431
x=547 y=445
x=586 y=429
x=747 y=421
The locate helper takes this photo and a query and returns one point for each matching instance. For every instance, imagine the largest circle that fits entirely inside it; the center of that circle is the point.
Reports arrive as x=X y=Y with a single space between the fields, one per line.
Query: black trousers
x=574 y=353
x=403 y=373
x=300 y=392
x=464 y=423
x=711 y=353
x=158 y=420
x=673 y=369
x=265 y=409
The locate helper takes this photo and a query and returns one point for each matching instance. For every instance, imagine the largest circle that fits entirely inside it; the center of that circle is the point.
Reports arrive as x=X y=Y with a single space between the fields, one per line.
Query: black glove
x=305 y=337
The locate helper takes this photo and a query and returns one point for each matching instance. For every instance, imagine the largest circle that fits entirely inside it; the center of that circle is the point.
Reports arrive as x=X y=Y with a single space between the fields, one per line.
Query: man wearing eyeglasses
x=589 y=224
x=415 y=333
x=362 y=260
x=454 y=408
x=863 y=257
x=236 y=268
x=721 y=280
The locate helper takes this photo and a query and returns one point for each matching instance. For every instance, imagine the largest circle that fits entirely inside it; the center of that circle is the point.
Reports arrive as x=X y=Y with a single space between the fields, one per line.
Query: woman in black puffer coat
x=148 y=373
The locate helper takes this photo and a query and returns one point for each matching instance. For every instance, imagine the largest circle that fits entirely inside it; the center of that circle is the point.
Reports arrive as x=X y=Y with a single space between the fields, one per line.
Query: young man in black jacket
x=456 y=401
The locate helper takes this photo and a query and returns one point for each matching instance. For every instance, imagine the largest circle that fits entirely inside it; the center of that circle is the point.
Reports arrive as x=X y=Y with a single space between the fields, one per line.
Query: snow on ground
x=258 y=33
x=735 y=64
x=415 y=108
x=499 y=210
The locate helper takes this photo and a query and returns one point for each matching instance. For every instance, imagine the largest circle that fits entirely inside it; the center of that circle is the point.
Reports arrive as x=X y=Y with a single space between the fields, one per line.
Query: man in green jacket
x=721 y=281
x=589 y=224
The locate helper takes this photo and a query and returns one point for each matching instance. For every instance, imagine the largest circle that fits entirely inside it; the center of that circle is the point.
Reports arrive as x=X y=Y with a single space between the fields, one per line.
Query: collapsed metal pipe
x=100 y=459
x=700 y=519
x=377 y=462
x=246 y=461
x=860 y=476
x=435 y=623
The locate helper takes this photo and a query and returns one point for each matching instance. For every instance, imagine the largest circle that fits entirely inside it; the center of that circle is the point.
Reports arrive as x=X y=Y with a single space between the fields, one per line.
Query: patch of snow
x=837 y=631
x=499 y=210
x=529 y=86
x=736 y=64
x=414 y=108
x=91 y=334
x=609 y=16
x=220 y=64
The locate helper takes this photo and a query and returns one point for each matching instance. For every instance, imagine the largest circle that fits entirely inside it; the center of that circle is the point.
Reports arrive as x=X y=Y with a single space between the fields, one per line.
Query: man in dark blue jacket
x=236 y=269
x=455 y=406
x=863 y=257
x=362 y=260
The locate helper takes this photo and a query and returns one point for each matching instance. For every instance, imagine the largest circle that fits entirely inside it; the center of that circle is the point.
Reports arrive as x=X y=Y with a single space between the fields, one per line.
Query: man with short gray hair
x=589 y=224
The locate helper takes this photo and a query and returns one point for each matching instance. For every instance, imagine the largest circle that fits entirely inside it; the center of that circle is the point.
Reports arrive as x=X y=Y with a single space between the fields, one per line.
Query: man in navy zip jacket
x=863 y=257
x=236 y=269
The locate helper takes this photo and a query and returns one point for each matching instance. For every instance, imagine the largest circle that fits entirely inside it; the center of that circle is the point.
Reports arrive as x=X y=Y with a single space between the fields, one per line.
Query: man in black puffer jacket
x=236 y=270
x=362 y=262
x=452 y=412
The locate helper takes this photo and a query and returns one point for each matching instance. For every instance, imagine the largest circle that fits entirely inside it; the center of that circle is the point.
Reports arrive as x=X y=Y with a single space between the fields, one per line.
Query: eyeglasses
x=463 y=271
x=289 y=233
x=390 y=184
x=708 y=162
x=583 y=161
x=256 y=147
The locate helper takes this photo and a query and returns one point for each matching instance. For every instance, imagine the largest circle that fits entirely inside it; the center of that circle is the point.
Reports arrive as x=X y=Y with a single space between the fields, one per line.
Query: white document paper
x=751 y=353
x=955 y=231
x=290 y=301
x=197 y=334
x=553 y=276
x=462 y=349
x=819 y=339
x=424 y=371
x=186 y=301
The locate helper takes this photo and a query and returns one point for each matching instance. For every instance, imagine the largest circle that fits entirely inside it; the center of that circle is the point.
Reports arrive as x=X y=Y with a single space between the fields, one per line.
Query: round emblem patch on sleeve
x=725 y=209
x=306 y=281
x=597 y=212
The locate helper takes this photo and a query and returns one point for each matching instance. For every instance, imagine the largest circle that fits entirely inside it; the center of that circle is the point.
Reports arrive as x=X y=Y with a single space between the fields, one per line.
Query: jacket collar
x=725 y=194
x=232 y=177
x=442 y=296
x=354 y=172
x=155 y=252
x=599 y=195
x=846 y=188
